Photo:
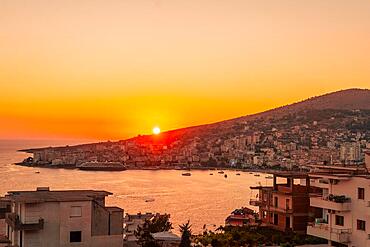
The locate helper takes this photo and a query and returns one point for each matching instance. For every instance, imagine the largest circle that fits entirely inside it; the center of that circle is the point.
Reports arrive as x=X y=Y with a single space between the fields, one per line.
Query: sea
x=203 y=199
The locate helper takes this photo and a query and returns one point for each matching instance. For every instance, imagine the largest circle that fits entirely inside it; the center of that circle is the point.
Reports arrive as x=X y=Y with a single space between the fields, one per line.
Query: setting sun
x=156 y=130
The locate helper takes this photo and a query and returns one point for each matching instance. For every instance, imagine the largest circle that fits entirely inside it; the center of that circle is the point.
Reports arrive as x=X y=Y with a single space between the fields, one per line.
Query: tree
x=185 y=230
x=159 y=223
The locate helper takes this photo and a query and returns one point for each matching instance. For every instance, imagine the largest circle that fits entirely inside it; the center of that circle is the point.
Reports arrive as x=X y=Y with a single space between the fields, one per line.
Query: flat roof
x=338 y=176
x=165 y=236
x=289 y=174
x=346 y=168
x=258 y=187
x=55 y=195
x=114 y=209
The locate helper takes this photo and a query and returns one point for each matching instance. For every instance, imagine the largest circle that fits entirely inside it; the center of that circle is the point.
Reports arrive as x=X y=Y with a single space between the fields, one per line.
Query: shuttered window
x=76 y=211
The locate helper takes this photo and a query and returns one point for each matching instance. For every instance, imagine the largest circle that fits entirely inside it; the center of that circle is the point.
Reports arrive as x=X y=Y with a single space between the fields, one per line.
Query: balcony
x=330 y=202
x=256 y=202
x=320 y=183
x=281 y=210
x=13 y=220
x=322 y=230
x=284 y=189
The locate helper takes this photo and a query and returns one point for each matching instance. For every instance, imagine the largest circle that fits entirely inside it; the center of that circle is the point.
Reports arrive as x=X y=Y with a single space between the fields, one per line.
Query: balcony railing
x=14 y=221
x=284 y=189
x=281 y=210
x=323 y=230
x=338 y=203
x=256 y=202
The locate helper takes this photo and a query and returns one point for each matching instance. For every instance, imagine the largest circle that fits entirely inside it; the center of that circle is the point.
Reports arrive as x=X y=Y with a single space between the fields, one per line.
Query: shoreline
x=69 y=167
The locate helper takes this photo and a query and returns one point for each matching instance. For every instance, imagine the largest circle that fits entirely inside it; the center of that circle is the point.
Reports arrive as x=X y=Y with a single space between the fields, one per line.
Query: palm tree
x=185 y=230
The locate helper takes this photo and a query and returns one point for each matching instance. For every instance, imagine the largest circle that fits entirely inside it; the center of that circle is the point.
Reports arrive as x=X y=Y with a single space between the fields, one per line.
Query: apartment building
x=344 y=202
x=130 y=223
x=284 y=205
x=350 y=152
x=62 y=218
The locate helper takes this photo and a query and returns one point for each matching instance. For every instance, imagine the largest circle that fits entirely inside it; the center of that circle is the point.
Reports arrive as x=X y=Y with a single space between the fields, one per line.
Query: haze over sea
x=200 y=198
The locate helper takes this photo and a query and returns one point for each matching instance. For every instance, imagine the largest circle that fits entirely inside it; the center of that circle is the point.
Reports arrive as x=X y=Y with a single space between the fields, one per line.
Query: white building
x=344 y=204
x=130 y=223
x=350 y=152
x=62 y=218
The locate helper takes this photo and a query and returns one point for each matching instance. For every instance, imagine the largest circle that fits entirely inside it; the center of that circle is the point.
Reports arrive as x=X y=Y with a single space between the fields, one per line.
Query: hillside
x=349 y=99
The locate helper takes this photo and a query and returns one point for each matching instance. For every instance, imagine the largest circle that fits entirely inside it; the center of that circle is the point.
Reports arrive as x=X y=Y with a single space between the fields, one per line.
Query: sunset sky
x=112 y=69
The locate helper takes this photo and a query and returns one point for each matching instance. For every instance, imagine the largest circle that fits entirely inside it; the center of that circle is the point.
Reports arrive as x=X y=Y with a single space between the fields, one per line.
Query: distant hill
x=349 y=99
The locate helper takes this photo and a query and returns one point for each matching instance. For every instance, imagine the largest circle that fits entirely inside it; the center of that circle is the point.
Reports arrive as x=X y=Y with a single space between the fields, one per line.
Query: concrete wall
x=99 y=220
x=108 y=240
x=301 y=204
x=57 y=224
x=116 y=223
x=68 y=223
x=49 y=235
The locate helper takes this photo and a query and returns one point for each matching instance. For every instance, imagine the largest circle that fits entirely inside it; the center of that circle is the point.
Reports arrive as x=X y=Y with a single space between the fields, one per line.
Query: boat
x=37 y=172
x=150 y=200
x=186 y=174
x=225 y=175
x=257 y=175
x=101 y=166
x=221 y=172
x=238 y=174
x=269 y=177
x=211 y=174
x=251 y=173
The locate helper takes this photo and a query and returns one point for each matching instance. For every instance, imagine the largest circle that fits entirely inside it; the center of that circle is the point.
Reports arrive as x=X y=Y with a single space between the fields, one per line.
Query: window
x=361 y=225
x=276 y=219
x=361 y=193
x=264 y=214
x=287 y=222
x=287 y=203
x=75 y=236
x=76 y=211
x=276 y=202
x=339 y=220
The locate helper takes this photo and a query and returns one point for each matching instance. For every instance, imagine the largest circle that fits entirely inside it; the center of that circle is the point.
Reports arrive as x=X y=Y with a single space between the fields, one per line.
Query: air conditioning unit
x=368 y=204
x=368 y=236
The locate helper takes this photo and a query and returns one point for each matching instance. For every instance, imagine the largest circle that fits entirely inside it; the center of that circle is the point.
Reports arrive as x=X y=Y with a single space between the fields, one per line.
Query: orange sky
x=114 y=69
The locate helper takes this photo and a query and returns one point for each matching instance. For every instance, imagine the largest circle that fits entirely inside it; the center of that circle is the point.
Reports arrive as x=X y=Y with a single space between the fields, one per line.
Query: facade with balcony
x=62 y=218
x=284 y=205
x=344 y=205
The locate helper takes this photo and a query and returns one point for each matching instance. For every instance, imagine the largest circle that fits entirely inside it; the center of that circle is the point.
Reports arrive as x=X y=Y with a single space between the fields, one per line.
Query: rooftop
x=165 y=236
x=290 y=174
x=44 y=194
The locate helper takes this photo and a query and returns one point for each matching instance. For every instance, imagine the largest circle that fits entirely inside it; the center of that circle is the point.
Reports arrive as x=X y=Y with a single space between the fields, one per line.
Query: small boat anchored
x=221 y=172
x=186 y=174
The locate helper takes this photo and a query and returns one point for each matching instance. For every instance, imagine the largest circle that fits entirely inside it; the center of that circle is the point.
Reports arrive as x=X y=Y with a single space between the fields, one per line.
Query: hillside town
x=285 y=142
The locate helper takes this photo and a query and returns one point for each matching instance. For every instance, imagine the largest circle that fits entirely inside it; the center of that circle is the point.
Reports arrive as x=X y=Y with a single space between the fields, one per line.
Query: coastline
x=73 y=167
